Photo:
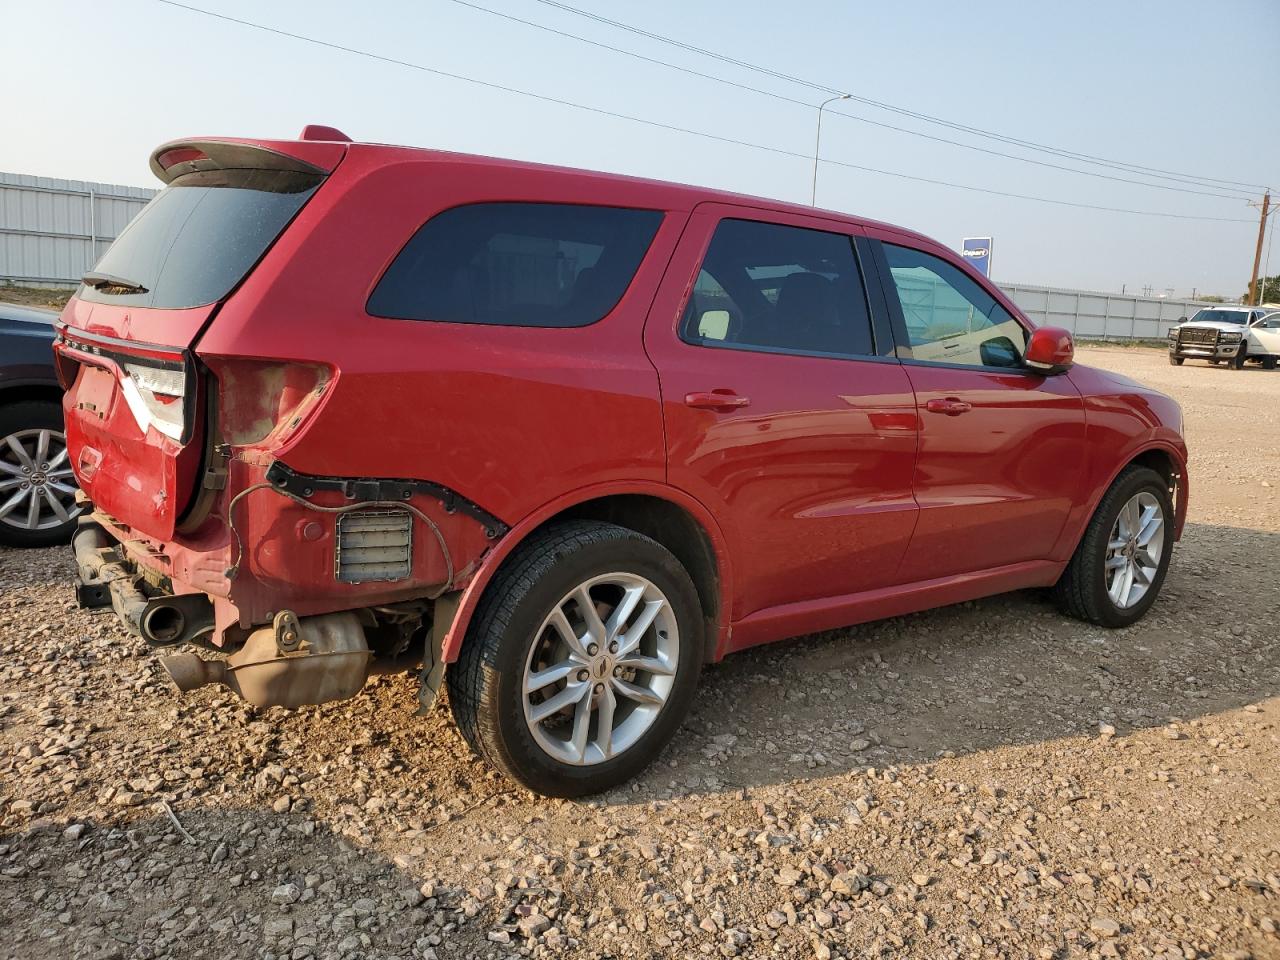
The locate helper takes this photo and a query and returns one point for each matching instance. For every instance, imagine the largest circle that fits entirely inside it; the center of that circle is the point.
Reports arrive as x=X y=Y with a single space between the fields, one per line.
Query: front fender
x=1172 y=446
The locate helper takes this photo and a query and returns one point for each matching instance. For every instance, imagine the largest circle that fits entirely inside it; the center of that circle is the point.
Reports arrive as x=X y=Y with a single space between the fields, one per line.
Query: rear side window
x=198 y=238
x=765 y=286
x=517 y=264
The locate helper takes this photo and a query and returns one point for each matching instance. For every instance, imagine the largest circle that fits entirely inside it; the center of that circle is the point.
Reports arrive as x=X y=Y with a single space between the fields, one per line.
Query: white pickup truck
x=1231 y=335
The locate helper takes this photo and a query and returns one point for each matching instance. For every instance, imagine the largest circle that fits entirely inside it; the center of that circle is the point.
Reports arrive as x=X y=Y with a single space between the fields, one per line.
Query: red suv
x=570 y=435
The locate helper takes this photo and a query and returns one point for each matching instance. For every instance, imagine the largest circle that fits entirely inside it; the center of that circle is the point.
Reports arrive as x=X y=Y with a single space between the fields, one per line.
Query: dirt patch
x=985 y=780
x=34 y=296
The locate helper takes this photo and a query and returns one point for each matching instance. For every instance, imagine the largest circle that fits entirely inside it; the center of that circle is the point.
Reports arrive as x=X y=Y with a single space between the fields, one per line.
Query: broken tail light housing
x=156 y=397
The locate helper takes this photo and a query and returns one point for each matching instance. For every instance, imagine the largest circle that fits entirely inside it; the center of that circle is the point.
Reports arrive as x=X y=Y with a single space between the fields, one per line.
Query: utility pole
x=1255 y=295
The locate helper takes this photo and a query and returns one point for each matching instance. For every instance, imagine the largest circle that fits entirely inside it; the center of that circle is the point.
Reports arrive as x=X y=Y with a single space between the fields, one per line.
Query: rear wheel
x=1117 y=570
x=581 y=661
x=37 y=486
x=1269 y=363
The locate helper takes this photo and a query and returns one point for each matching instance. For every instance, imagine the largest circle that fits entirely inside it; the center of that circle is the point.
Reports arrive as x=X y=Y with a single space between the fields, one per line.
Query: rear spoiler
x=180 y=157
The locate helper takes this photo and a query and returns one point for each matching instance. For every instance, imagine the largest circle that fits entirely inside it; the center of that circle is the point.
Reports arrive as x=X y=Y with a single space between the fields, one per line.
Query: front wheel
x=1120 y=564
x=1237 y=362
x=1176 y=361
x=1269 y=363
x=581 y=661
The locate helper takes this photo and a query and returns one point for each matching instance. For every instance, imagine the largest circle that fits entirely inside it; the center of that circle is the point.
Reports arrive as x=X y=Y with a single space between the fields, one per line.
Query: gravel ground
x=986 y=780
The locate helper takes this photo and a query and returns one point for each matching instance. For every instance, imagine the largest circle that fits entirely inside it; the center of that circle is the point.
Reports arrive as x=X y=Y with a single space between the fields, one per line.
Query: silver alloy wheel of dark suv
x=37 y=485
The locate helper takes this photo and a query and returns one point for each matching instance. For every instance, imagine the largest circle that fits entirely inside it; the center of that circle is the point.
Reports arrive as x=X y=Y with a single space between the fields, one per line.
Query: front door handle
x=951 y=406
x=720 y=399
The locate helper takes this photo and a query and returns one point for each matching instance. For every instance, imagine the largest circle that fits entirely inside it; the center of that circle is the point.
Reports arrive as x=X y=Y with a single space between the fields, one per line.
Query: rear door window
x=767 y=286
x=517 y=264
x=198 y=238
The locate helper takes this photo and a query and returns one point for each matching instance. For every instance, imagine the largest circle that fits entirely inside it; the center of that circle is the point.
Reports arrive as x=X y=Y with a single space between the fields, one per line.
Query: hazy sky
x=1189 y=87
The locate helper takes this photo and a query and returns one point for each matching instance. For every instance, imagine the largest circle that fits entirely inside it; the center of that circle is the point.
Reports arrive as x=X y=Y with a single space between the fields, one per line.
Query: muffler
x=291 y=664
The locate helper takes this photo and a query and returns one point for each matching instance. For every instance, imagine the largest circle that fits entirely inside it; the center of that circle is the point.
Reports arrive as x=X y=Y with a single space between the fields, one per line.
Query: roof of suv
x=326 y=154
x=679 y=195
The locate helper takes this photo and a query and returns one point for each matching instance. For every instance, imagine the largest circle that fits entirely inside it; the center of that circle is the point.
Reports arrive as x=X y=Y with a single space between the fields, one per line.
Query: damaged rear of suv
x=314 y=384
x=186 y=393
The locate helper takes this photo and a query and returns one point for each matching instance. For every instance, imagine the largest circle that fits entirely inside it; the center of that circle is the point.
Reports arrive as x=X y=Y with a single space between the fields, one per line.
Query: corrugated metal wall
x=1092 y=315
x=52 y=231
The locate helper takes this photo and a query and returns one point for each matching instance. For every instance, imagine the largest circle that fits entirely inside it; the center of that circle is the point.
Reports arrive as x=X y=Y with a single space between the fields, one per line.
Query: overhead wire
x=834 y=112
x=600 y=111
x=834 y=91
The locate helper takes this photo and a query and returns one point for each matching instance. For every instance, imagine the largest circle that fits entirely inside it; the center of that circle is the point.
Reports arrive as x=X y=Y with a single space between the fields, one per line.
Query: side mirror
x=1182 y=319
x=1050 y=350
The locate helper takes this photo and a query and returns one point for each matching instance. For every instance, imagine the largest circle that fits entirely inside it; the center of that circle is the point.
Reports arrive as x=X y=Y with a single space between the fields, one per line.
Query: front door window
x=949 y=317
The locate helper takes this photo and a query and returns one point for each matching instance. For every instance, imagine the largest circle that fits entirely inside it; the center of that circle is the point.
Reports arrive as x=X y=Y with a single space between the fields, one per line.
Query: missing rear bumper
x=106 y=579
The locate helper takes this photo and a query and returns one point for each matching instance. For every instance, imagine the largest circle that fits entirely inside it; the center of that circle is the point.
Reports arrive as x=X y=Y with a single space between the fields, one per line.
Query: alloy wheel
x=1134 y=550
x=37 y=486
x=600 y=669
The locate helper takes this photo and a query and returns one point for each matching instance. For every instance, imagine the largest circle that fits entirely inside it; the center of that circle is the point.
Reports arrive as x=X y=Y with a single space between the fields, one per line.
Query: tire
x=1268 y=363
x=1176 y=361
x=512 y=628
x=1082 y=590
x=1237 y=362
x=23 y=424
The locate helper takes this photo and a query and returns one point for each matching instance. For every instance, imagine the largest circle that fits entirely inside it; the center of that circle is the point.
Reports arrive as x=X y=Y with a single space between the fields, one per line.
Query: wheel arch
x=1159 y=455
x=672 y=518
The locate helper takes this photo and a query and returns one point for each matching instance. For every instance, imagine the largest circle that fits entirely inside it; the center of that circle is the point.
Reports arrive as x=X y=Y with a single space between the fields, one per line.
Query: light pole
x=817 y=144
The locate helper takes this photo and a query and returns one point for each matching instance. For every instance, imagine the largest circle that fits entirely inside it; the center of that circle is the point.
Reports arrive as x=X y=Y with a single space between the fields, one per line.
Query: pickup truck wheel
x=37 y=486
x=1237 y=362
x=1120 y=564
x=1268 y=363
x=1176 y=361
x=581 y=660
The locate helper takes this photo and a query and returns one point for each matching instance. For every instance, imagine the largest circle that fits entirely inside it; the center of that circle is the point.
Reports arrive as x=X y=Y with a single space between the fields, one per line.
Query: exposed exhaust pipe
x=189 y=671
x=328 y=660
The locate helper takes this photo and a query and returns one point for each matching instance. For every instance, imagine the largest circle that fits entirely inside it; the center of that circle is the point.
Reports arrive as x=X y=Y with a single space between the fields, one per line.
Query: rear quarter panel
x=509 y=417
x=26 y=353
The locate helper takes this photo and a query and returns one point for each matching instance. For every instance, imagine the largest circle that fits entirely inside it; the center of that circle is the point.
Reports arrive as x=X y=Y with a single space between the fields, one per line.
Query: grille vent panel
x=374 y=545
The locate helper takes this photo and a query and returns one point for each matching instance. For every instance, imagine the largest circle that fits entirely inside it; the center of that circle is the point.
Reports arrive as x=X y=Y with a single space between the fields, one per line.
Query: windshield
x=198 y=238
x=1221 y=316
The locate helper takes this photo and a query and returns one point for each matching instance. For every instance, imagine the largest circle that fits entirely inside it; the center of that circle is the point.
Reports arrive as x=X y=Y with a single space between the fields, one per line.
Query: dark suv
x=573 y=434
x=37 y=487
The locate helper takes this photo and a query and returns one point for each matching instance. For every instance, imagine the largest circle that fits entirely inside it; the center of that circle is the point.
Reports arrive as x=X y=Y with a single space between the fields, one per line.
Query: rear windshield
x=517 y=264
x=1221 y=316
x=198 y=238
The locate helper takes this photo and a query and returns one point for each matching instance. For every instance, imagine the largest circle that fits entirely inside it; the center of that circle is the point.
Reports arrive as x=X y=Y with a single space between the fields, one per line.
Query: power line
x=658 y=124
x=976 y=131
x=848 y=116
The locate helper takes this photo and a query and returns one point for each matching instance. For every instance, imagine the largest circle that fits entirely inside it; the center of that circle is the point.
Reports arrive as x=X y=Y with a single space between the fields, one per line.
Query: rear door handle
x=951 y=406
x=715 y=400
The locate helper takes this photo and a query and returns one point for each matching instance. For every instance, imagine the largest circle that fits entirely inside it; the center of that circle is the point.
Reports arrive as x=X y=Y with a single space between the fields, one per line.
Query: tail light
x=156 y=397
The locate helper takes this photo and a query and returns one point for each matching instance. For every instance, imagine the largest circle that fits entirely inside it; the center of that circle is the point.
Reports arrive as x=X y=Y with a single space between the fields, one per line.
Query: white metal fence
x=52 y=231
x=1090 y=314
